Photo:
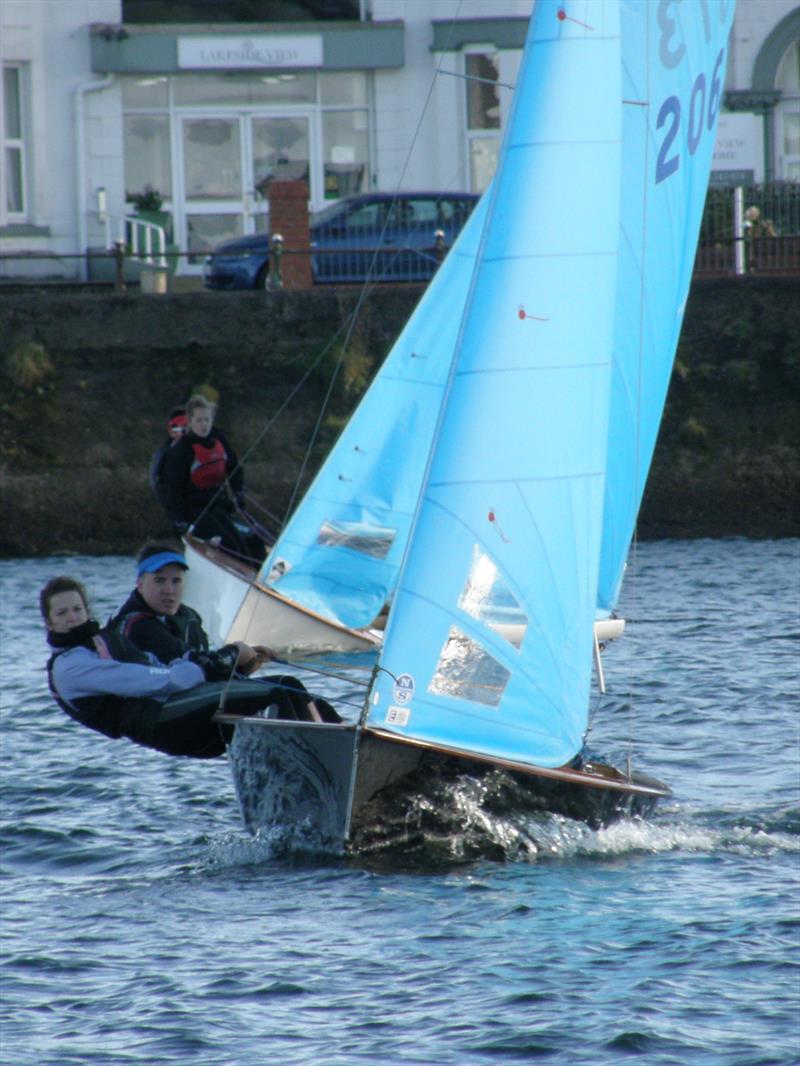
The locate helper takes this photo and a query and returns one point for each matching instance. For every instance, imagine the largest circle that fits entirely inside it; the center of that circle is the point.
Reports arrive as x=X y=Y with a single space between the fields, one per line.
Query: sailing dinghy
x=324 y=584
x=577 y=293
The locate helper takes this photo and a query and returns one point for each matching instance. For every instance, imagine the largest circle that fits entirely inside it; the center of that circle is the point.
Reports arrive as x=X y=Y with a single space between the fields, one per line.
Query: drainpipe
x=80 y=161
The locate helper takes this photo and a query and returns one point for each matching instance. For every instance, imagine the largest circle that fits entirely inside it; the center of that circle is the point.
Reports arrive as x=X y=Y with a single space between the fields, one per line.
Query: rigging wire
x=300 y=664
x=369 y=282
x=347 y=326
x=282 y=407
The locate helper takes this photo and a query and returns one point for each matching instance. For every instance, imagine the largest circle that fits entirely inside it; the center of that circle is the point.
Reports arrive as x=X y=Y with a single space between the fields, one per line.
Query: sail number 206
x=701 y=113
x=704 y=100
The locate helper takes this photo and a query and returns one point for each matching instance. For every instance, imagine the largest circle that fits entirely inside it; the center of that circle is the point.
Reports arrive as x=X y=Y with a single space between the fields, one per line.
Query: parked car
x=380 y=236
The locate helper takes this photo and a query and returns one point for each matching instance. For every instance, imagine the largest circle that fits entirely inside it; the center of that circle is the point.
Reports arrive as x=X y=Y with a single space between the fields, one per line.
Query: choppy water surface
x=141 y=925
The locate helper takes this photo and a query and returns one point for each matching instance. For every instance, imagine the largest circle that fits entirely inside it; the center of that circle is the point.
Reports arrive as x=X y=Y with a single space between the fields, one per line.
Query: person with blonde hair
x=203 y=484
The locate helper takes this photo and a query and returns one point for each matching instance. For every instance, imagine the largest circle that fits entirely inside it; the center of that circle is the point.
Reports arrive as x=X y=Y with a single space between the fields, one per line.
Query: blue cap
x=156 y=562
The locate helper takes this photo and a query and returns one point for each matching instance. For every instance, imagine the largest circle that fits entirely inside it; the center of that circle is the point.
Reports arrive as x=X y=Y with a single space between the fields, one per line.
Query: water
x=142 y=926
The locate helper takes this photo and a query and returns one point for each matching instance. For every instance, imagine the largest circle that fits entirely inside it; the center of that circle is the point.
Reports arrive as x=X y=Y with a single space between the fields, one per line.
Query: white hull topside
x=235 y=606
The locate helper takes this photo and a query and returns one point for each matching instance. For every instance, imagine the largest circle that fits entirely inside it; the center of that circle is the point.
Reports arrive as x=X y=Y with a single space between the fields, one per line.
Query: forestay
x=508 y=526
x=342 y=548
x=673 y=70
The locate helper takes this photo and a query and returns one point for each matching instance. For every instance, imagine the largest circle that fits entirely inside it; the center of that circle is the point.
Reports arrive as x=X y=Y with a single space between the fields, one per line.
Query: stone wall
x=87 y=382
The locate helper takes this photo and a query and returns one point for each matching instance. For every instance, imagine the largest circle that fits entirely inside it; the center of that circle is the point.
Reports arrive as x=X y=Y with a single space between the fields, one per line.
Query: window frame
x=475 y=134
x=16 y=144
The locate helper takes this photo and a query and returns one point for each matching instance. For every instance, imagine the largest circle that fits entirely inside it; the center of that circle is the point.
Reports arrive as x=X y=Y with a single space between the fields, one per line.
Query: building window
x=483 y=117
x=14 y=144
x=212 y=159
x=345 y=147
x=334 y=115
x=147 y=155
x=234 y=89
x=147 y=136
x=345 y=133
x=788 y=114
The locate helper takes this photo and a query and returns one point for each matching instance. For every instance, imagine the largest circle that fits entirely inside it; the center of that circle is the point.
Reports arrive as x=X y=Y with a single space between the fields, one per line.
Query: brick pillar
x=288 y=215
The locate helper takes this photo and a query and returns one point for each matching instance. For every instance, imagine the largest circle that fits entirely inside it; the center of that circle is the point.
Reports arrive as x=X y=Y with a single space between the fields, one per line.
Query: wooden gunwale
x=609 y=778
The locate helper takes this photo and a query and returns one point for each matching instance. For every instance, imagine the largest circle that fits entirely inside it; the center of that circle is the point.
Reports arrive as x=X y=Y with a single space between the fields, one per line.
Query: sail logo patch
x=403 y=688
x=398 y=716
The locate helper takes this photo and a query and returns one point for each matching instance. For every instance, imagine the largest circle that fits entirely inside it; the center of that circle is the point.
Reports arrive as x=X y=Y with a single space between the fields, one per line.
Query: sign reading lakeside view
x=262 y=51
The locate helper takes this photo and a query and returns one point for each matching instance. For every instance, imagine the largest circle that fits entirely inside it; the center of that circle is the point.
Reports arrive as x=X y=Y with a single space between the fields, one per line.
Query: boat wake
x=450 y=820
x=467 y=819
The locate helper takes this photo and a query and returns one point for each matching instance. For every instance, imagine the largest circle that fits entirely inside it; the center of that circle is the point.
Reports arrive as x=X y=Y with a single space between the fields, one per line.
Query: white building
x=96 y=114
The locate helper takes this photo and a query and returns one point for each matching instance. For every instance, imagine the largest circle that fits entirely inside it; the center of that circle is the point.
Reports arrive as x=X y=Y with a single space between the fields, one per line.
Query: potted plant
x=149 y=199
x=148 y=207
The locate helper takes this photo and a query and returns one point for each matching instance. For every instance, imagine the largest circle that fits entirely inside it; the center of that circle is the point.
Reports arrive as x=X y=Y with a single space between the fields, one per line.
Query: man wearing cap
x=155 y=621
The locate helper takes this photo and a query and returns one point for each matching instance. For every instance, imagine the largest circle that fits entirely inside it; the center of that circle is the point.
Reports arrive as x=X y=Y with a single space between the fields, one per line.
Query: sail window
x=468 y=672
x=487 y=598
x=375 y=541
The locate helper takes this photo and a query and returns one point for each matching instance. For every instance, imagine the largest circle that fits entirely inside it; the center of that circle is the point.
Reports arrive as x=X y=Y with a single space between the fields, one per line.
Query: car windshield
x=327 y=213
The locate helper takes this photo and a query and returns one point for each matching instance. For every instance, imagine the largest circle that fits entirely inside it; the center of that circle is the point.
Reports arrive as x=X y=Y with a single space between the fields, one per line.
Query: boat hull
x=294 y=779
x=589 y=791
x=345 y=789
x=235 y=606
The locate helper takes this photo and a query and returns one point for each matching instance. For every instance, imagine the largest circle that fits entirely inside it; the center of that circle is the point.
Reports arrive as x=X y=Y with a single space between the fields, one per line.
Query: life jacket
x=185 y=625
x=208 y=465
x=101 y=713
x=182 y=726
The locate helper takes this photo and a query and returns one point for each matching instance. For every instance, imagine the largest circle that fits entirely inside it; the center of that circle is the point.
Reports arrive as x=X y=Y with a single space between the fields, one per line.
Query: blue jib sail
x=489 y=642
x=673 y=74
x=342 y=548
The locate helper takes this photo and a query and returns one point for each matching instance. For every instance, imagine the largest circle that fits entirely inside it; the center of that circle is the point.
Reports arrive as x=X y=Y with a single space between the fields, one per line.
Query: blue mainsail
x=343 y=546
x=673 y=71
x=488 y=646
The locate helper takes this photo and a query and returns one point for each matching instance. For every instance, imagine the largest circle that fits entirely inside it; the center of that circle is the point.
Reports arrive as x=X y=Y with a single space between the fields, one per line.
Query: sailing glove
x=217 y=665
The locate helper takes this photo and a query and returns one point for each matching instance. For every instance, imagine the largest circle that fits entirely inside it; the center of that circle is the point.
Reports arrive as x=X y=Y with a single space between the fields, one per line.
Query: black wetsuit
x=168 y=708
x=169 y=637
x=156 y=475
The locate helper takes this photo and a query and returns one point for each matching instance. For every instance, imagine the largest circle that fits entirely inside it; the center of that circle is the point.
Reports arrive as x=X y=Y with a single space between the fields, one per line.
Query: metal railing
x=750 y=229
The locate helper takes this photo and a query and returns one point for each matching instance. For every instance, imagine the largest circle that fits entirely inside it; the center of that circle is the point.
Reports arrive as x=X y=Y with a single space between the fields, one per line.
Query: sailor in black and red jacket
x=196 y=470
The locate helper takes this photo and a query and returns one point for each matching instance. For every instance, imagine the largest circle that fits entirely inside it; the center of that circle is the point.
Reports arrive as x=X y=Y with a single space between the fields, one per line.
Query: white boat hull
x=235 y=606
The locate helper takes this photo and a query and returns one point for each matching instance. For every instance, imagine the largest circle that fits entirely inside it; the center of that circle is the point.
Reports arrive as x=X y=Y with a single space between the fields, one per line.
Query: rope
x=348 y=326
x=350 y=321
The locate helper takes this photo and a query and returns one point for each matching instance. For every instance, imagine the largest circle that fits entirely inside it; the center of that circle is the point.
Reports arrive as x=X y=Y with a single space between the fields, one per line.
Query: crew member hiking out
x=154 y=621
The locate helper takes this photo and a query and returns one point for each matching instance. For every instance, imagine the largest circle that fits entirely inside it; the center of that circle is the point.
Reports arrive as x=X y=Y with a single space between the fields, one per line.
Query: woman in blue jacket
x=120 y=698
